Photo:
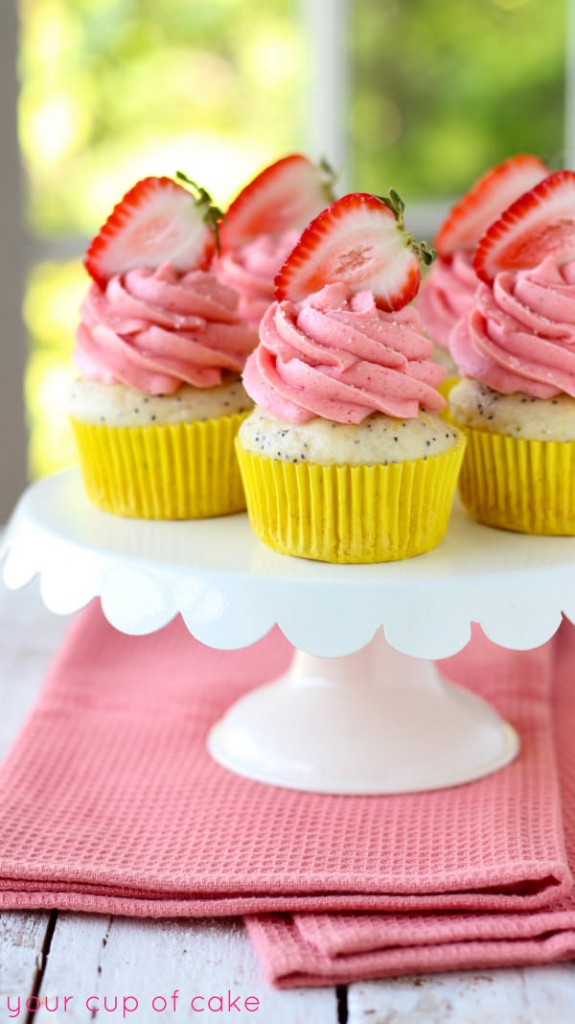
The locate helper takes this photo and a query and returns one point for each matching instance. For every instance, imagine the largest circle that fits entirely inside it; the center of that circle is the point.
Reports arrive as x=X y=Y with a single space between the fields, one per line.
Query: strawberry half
x=359 y=240
x=157 y=221
x=540 y=223
x=492 y=194
x=288 y=194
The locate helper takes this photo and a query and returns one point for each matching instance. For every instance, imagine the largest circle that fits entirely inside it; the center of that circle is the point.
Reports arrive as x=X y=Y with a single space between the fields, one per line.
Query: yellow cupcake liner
x=517 y=484
x=446 y=385
x=182 y=471
x=351 y=514
x=444 y=389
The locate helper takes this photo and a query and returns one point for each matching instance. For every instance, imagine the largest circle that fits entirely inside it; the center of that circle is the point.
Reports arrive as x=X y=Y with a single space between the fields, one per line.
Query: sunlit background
x=113 y=90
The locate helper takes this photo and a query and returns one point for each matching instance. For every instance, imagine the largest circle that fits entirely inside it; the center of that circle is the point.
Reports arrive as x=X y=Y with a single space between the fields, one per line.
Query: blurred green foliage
x=113 y=90
x=53 y=296
x=444 y=90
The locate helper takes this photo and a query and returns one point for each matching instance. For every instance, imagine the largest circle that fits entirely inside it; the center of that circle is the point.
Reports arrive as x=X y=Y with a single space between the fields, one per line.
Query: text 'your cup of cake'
x=345 y=458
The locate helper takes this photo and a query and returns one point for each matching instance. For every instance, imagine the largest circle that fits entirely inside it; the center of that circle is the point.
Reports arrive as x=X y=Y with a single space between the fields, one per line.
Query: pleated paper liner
x=182 y=471
x=351 y=513
x=446 y=385
x=444 y=389
x=517 y=484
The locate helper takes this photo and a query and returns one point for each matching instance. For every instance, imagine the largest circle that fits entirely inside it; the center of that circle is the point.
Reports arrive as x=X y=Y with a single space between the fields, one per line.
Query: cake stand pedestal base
x=373 y=722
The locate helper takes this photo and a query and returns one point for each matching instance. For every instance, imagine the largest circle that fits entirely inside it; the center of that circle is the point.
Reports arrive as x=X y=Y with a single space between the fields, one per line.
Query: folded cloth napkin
x=319 y=949
x=110 y=803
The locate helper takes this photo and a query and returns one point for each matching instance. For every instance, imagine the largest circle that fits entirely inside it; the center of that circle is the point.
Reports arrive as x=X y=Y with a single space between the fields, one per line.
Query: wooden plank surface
x=22 y=941
x=107 y=957
x=173 y=971
x=29 y=636
x=536 y=995
x=81 y=956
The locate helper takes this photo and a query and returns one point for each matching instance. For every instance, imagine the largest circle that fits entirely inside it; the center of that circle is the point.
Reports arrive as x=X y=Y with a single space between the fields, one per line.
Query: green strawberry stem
x=328 y=178
x=211 y=214
x=424 y=252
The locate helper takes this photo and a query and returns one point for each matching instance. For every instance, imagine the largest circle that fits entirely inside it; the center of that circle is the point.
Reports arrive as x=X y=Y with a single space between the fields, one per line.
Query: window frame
x=13 y=433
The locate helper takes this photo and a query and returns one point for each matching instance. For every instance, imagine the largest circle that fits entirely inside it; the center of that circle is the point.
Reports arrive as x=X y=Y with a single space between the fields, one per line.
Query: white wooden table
x=48 y=957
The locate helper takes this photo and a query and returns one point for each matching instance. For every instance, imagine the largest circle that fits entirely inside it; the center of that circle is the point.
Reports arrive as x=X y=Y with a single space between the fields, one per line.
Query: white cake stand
x=362 y=709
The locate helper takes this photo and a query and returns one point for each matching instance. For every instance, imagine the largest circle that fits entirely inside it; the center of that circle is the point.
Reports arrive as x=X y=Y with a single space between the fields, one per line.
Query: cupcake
x=160 y=349
x=449 y=289
x=263 y=224
x=345 y=458
x=516 y=351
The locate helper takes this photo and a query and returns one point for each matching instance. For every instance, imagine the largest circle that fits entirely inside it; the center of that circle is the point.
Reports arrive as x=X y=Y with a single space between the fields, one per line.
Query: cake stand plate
x=372 y=722
x=362 y=710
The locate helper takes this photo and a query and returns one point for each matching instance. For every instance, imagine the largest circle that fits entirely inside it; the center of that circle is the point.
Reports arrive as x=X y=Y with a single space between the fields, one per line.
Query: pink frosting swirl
x=340 y=357
x=251 y=270
x=520 y=334
x=155 y=330
x=446 y=295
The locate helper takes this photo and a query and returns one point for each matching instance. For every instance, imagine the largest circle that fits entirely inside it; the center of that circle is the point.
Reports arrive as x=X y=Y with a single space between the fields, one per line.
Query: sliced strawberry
x=157 y=221
x=287 y=194
x=358 y=240
x=540 y=223
x=492 y=194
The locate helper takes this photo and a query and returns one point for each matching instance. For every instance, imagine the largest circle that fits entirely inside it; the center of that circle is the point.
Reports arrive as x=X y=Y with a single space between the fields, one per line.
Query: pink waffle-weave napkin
x=110 y=803
x=320 y=949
